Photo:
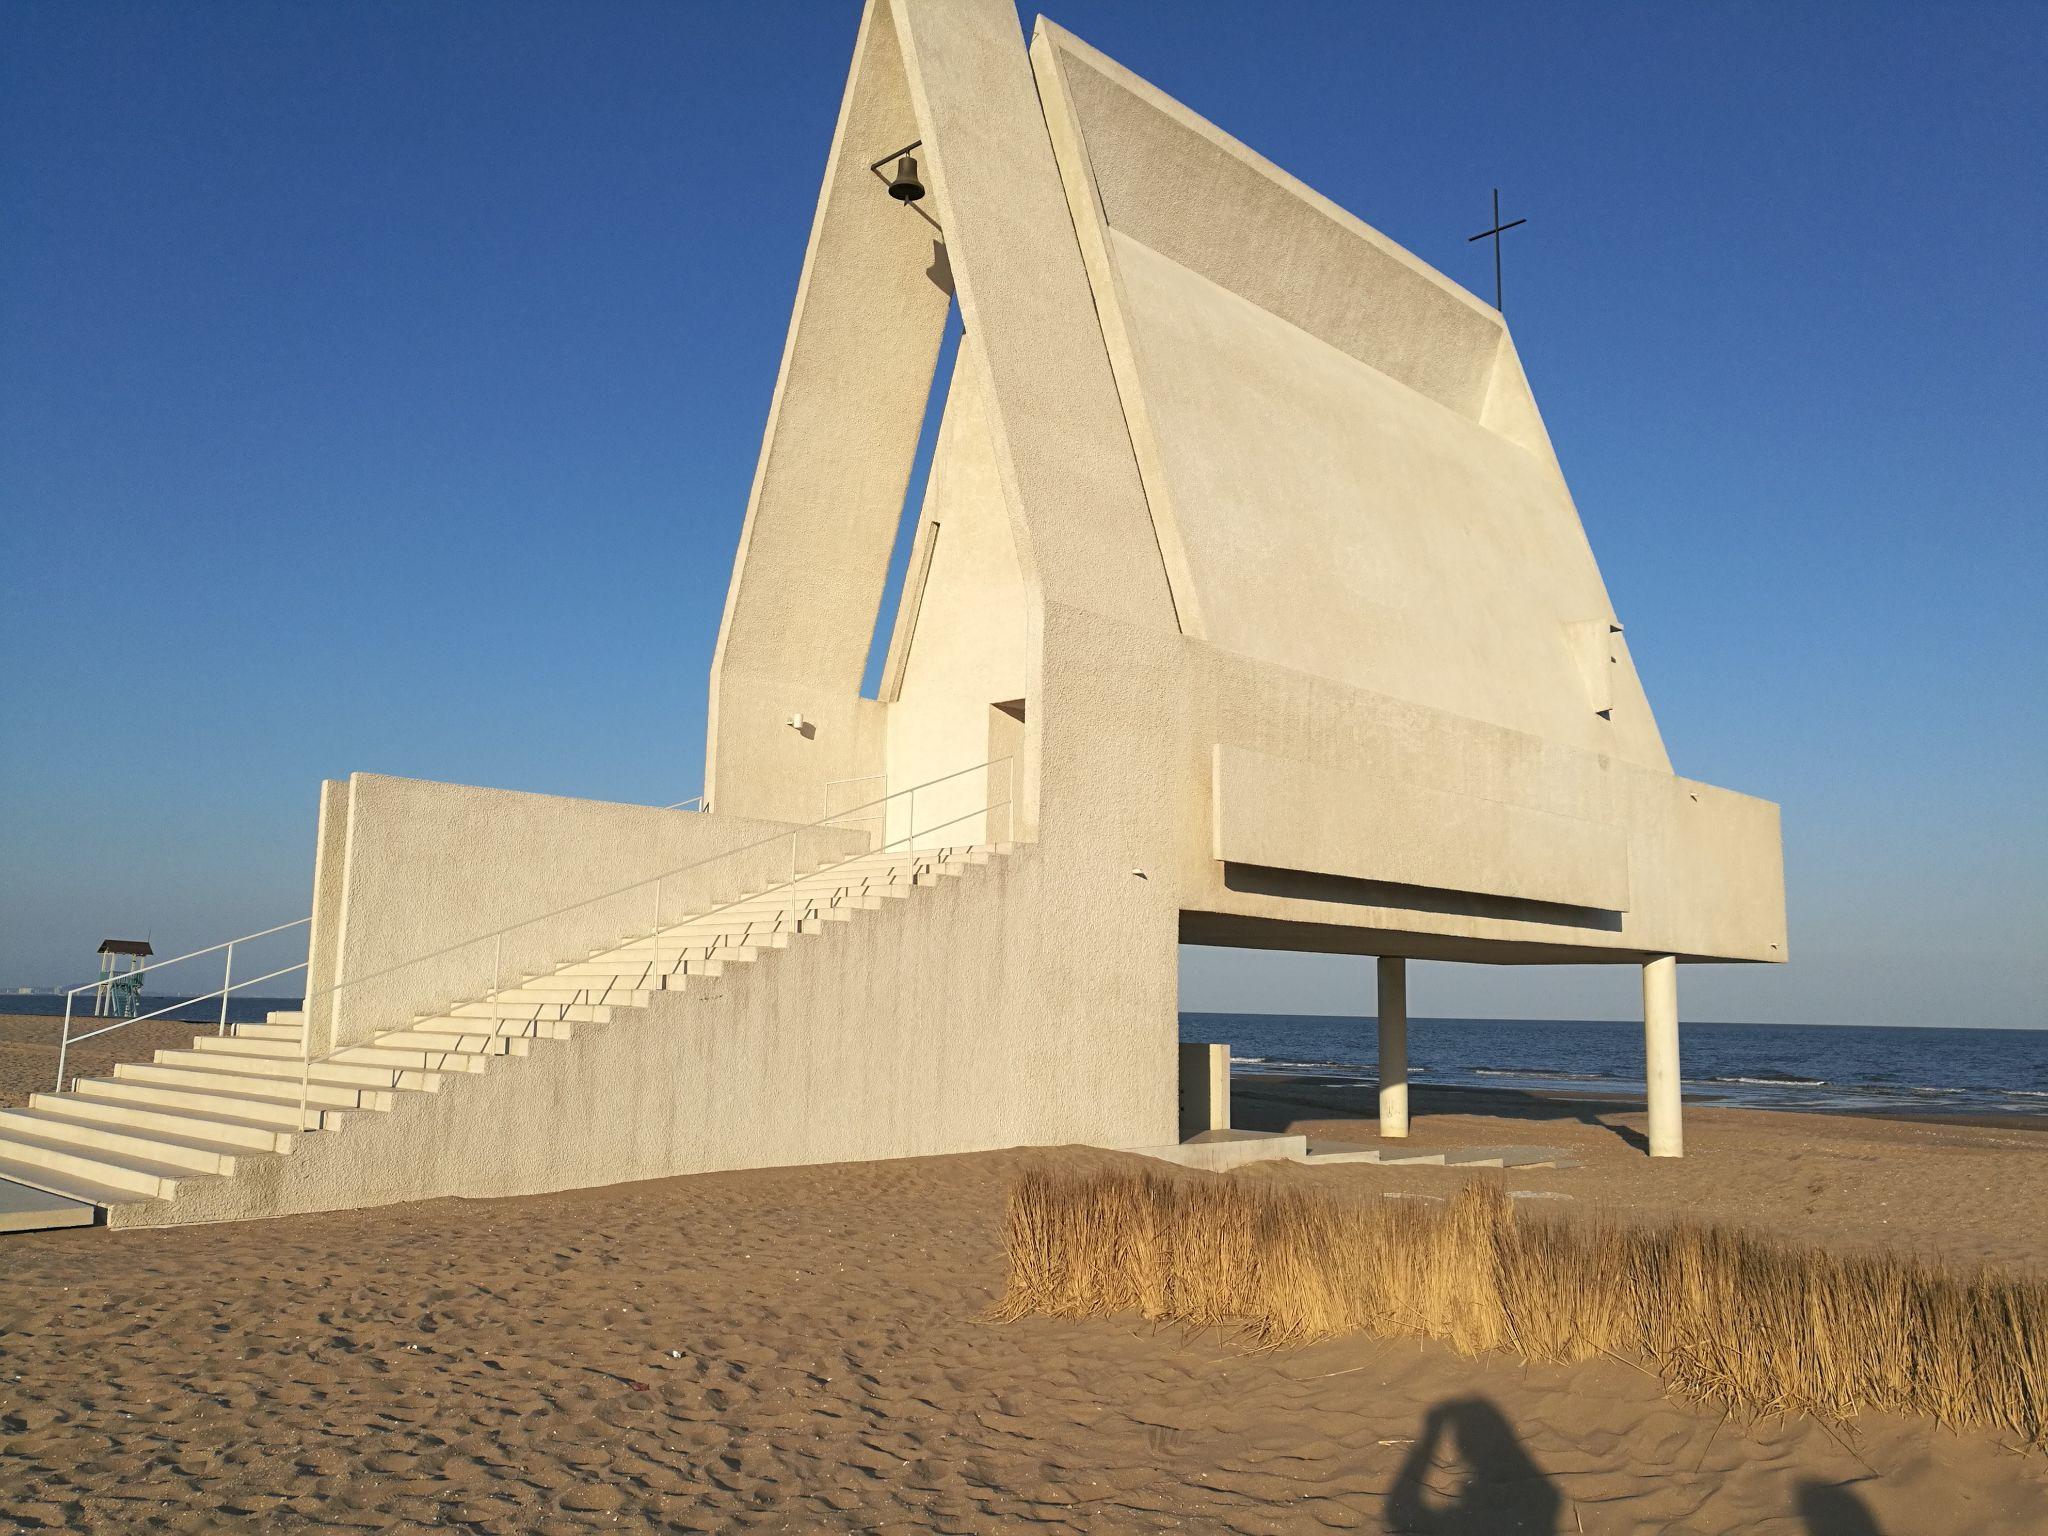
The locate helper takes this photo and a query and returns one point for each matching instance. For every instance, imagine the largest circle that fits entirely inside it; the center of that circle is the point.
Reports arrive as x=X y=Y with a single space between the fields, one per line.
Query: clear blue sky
x=380 y=387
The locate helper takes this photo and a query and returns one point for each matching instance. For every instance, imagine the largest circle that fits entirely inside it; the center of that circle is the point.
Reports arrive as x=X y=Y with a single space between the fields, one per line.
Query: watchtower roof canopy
x=125 y=947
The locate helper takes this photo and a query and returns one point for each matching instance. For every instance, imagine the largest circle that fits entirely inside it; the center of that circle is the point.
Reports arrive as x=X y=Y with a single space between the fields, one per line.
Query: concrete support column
x=1393 y=1015
x=1660 y=1056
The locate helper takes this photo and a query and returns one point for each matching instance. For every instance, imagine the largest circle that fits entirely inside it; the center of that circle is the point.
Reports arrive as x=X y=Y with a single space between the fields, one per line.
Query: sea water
x=1836 y=1067
x=1839 y=1068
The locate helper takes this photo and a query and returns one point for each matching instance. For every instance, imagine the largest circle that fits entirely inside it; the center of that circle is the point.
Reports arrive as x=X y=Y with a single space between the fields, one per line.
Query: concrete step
x=861 y=886
x=129 y=1144
x=598 y=972
x=287 y=1068
x=265 y=1032
x=135 y=1176
x=226 y=1102
x=508 y=1029
x=68 y=1185
x=670 y=965
x=324 y=1094
x=249 y=1045
x=291 y=1016
x=477 y=1042
x=552 y=1009
x=768 y=907
x=773 y=933
x=597 y=991
x=245 y=1134
x=409 y=1058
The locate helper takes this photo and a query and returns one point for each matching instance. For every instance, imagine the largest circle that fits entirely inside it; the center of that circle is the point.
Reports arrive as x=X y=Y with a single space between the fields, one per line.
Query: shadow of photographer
x=1499 y=1488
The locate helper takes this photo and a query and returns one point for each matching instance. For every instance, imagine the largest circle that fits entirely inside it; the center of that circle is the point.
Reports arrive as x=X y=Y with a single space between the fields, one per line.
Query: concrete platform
x=1321 y=1151
x=1216 y=1151
x=31 y=1210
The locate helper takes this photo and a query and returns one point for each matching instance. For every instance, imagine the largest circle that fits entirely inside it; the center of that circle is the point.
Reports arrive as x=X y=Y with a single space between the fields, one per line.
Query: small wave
x=1551 y=1074
x=1774 y=1080
x=2027 y=1093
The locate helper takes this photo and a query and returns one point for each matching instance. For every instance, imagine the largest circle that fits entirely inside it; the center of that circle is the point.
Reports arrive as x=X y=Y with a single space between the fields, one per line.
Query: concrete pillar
x=1660 y=1056
x=1393 y=1014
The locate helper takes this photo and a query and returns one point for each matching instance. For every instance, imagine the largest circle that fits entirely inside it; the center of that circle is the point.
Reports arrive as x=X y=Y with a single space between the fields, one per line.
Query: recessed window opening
x=913 y=506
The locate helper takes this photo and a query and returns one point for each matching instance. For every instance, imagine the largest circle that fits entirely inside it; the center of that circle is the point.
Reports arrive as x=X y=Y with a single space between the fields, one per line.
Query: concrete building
x=1247 y=606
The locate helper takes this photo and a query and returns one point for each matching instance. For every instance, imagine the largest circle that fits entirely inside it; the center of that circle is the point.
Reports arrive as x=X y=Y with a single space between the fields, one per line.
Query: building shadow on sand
x=1277 y=1103
x=1467 y=1475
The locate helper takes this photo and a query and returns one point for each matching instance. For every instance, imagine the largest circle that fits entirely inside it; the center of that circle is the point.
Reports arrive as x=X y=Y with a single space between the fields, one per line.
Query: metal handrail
x=694 y=803
x=228 y=983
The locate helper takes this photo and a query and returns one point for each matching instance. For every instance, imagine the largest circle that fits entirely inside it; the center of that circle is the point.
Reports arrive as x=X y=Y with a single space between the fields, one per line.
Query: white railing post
x=497 y=982
x=227 y=985
x=796 y=921
x=64 y=1040
x=660 y=980
x=910 y=826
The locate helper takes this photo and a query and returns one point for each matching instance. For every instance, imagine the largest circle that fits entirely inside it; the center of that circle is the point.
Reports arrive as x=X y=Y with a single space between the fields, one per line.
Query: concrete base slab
x=1321 y=1151
x=1215 y=1151
x=32 y=1210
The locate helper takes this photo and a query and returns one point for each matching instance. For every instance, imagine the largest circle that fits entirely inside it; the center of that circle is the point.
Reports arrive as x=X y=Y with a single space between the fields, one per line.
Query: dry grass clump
x=1762 y=1326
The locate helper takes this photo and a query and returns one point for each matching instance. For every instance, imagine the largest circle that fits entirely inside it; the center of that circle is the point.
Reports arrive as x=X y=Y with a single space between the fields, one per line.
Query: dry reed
x=1762 y=1326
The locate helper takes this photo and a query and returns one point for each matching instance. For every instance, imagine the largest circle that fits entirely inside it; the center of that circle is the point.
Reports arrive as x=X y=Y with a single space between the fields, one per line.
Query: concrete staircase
x=208 y=1111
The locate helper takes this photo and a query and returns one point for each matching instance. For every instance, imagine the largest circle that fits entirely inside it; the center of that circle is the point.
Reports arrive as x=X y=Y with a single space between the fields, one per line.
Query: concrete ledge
x=1217 y=1151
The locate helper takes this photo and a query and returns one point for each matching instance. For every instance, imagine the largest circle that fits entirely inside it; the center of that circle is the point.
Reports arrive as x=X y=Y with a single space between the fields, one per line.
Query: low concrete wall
x=429 y=873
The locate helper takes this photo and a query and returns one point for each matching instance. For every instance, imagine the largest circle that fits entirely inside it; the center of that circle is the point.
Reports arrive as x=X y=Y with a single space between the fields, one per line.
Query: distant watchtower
x=119 y=993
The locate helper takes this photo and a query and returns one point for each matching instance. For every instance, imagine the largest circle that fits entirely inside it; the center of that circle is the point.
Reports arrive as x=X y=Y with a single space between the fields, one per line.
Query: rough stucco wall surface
x=1339 y=523
x=835 y=460
x=1212 y=207
x=432 y=869
x=1286 y=815
x=856 y=1043
x=1069 y=476
x=1133 y=722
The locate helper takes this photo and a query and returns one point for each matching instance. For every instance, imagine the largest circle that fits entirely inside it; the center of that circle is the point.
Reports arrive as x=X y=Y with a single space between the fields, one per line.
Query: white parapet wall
x=427 y=893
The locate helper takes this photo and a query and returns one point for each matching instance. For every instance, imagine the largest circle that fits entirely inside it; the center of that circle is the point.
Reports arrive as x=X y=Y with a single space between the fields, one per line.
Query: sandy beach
x=1964 y=1188
x=805 y=1350
x=28 y=1049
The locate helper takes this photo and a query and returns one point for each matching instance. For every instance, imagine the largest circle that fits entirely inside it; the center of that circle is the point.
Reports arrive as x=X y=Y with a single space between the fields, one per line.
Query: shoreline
x=1462 y=1098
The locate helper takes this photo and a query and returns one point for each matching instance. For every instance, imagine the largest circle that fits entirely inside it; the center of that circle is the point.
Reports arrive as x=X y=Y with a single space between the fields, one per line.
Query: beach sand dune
x=805 y=1350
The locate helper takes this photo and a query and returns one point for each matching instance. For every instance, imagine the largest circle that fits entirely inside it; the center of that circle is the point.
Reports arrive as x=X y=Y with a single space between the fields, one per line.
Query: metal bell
x=904 y=186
